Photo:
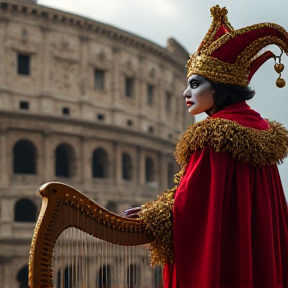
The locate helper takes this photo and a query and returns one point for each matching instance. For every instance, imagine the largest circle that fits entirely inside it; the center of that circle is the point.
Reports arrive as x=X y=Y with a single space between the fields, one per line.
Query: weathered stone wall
x=65 y=50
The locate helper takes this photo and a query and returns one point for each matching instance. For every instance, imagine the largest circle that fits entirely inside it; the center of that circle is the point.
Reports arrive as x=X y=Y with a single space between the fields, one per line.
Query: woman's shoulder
x=249 y=145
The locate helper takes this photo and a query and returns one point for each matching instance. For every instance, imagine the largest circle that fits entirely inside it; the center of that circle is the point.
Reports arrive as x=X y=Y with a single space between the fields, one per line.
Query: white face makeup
x=198 y=95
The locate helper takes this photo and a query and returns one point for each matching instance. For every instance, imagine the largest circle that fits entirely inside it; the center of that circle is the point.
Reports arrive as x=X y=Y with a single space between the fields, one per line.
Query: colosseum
x=82 y=103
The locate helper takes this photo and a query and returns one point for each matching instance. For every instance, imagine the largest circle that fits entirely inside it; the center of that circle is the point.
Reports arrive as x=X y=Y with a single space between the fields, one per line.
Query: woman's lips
x=189 y=103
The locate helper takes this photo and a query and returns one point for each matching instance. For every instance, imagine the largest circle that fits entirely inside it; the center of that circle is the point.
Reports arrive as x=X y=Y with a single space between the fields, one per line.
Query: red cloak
x=230 y=220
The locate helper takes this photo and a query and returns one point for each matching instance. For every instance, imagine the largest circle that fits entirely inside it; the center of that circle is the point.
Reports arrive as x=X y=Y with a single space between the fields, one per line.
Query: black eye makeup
x=194 y=84
x=196 y=81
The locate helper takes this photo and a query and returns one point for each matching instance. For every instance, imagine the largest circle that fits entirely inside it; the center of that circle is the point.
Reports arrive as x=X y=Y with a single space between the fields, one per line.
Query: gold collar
x=249 y=145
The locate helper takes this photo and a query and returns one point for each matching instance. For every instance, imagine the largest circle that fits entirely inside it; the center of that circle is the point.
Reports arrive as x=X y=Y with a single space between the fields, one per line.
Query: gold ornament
x=279 y=67
x=280 y=82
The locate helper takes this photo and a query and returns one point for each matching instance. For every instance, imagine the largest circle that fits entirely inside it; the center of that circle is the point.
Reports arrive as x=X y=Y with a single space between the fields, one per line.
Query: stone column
x=49 y=159
x=117 y=163
x=141 y=89
x=4 y=161
x=86 y=161
x=7 y=213
x=46 y=60
x=116 y=79
x=84 y=41
x=9 y=273
x=162 y=171
x=141 y=172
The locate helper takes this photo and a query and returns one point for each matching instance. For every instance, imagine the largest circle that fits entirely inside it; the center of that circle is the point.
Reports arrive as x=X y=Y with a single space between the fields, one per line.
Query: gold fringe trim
x=157 y=216
x=253 y=146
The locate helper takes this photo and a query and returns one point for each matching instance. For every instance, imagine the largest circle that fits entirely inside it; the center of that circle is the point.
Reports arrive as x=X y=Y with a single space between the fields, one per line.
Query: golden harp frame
x=84 y=214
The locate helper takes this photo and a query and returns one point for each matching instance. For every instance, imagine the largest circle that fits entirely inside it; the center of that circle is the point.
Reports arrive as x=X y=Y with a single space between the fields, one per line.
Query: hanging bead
x=279 y=67
x=280 y=82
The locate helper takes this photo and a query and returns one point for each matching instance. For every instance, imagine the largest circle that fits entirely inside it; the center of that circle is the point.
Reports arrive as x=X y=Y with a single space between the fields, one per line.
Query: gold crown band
x=216 y=70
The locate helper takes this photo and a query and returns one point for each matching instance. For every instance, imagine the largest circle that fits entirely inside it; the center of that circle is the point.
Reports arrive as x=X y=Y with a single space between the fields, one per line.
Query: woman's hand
x=132 y=212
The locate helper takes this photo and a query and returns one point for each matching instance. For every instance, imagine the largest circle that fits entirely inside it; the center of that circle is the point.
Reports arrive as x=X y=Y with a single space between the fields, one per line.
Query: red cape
x=230 y=220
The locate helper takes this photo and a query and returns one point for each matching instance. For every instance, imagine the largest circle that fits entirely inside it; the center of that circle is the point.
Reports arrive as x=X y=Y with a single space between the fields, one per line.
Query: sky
x=188 y=21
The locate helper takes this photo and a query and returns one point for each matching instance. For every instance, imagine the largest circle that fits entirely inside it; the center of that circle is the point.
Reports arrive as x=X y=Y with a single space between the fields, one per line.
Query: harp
x=77 y=243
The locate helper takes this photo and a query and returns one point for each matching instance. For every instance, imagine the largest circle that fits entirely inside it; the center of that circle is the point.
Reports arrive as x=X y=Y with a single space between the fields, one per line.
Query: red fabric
x=221 y=31
x=257 y=63
x=230 y=224
x=232 y=49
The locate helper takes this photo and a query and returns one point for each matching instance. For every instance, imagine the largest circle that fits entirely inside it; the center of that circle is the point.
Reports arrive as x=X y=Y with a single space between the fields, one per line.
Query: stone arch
x=100 y=164
x=170 y=175
x=65 y=164
x=22 y=277
x=158 y=276
x=24 y=157
x=127 y=167
x=25 y=210
x=133 y=276
x=66 y=278
x=149 y=170
x=104 y=277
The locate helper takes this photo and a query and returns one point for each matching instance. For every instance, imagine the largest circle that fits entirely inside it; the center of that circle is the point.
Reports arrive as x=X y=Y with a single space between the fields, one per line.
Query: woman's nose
x=187 y=93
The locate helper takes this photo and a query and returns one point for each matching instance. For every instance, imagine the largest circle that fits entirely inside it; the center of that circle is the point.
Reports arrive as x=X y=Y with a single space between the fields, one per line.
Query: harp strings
x=81 y=260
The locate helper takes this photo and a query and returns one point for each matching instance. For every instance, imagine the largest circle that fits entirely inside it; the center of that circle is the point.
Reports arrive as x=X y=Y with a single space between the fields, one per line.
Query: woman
x=230 y=218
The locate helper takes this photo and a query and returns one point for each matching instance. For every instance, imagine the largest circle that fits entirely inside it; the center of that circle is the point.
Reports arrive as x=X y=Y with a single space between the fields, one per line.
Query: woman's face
x=198 y=95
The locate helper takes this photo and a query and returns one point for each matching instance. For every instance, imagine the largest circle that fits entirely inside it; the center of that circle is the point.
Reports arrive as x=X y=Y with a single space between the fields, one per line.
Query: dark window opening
x=24 y=32
x=149 y=170
x=100 y=163
x=22 y=277
x=150 y=129
x=101 y=117
x=150 y=92
x=129 y=87
x=158 y=278
x=104 y=277
x=126 y=167
x=129 y=123
x=24 y=105
x=65 y=111
x=99 y=80
x=24 y=157
x=67 y=278
x=64 y=157
x=133 y=276
x=25 y=211
x=23 y=64
x=168 y=102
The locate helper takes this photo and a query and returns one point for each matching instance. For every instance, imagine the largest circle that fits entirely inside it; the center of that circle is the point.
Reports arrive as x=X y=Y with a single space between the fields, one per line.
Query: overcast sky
x=188 y=21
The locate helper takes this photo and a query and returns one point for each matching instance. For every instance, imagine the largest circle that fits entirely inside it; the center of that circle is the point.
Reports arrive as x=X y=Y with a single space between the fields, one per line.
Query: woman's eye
x=194 y=84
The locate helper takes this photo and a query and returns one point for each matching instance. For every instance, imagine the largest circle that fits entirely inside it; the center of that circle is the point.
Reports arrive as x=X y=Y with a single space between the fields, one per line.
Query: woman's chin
x=194 y=111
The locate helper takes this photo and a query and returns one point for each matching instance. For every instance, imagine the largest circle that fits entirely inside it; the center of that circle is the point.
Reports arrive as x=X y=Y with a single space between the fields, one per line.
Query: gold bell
x=279 y=67
x=280 y=82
